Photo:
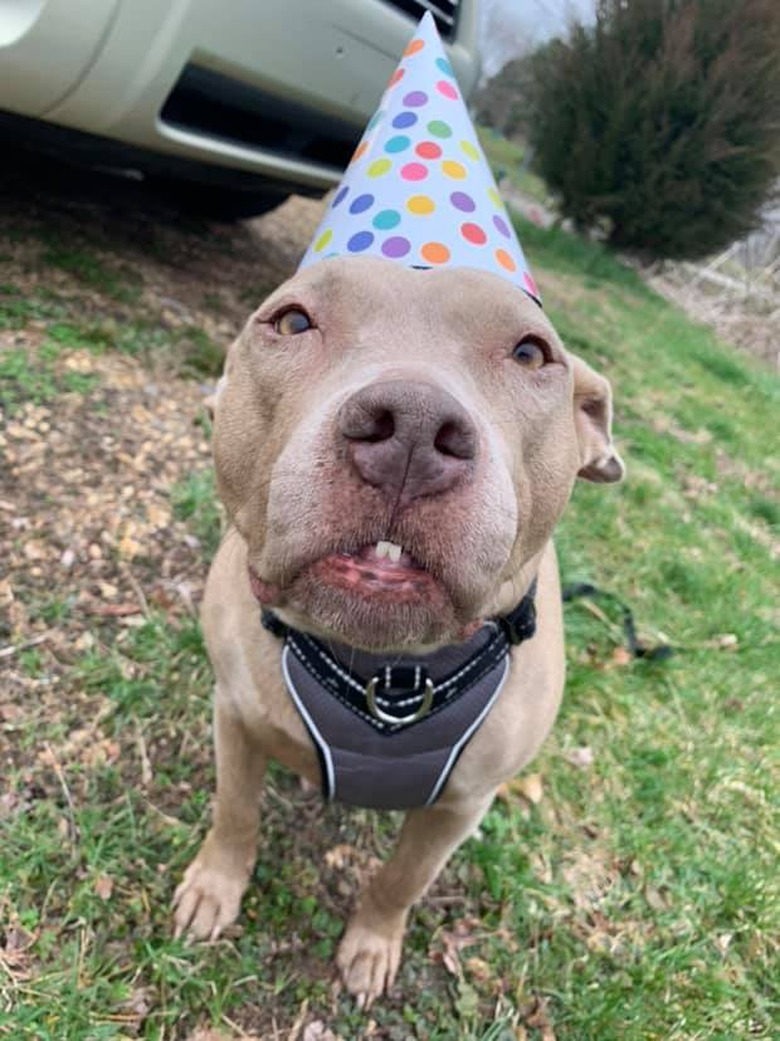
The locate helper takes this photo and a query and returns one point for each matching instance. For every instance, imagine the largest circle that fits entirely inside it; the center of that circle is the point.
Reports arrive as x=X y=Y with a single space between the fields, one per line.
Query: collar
x=392 y=692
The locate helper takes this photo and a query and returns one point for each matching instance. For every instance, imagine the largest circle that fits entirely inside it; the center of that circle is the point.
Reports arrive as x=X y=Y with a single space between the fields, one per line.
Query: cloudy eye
x=530 y=354
x=292 y=323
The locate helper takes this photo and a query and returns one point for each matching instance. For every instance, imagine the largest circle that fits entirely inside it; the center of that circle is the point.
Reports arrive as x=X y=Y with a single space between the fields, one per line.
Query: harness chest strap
x=389 y=732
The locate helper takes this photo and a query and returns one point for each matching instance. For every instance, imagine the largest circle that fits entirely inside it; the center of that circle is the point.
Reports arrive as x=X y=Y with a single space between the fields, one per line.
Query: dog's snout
x=410 y=439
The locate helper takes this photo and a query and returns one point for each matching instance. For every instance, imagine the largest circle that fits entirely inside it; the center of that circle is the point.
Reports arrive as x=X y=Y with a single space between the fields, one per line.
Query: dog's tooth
x=394 y=552
x=382 y=549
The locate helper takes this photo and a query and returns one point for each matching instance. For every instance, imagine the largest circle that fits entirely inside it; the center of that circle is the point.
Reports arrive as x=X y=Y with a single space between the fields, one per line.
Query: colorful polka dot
x=452 y=169
x=504 y=259
x=361 y=204
x=377 y=116
x=474 y=234
x=399 y=143
x=439 y=128
x=428 y=150
x=463 y=202
x=435 y=253
x=414 y=172
x=397 y=75
x=404 y=120
x=447 y=90
x=530 y=285
x=416 y=99
x=385 y=220
x=360 y=242
x=339 y=197
x=420 y=205
x=397 y=246
x=414 y=47
x=469 y=149
x=444 y=66
x=379 y=167
x=323 y=240
x=495 y=198
x=502 y=227
x=359 y=151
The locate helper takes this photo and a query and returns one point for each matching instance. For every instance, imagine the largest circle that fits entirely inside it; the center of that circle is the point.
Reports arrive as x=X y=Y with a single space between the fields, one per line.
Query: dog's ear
x=599 y=461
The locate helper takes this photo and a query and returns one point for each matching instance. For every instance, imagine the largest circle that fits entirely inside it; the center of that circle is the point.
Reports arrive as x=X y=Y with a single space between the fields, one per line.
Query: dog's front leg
x=370 y=950
x=209 y=897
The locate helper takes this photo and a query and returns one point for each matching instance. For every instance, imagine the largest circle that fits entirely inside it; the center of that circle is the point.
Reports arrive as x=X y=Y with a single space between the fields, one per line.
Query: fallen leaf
x=621 y=656
x=723 y=642
x=581 y=757
x=530 y=787
x=317 y=1031
x=104 y=886
x=114 y=610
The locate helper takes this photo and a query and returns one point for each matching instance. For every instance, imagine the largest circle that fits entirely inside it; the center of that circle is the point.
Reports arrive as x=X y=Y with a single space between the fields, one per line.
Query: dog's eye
x=292 y=322
x=530 y=353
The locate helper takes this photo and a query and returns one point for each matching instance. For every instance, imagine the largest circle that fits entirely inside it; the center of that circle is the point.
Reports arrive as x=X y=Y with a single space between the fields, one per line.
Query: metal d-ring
x=385 y=717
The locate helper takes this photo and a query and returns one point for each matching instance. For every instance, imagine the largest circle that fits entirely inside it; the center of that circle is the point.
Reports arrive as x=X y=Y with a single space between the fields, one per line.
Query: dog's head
x=395 y=446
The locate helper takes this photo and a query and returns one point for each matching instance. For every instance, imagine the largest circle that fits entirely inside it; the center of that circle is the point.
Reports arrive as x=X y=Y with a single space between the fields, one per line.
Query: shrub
x=663 y=118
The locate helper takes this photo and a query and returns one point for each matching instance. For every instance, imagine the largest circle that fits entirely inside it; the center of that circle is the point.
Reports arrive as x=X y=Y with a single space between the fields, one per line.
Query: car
x=231 y=105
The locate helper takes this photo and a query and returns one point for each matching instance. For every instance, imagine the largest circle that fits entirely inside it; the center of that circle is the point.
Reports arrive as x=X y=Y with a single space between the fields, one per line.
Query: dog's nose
x=411 y=439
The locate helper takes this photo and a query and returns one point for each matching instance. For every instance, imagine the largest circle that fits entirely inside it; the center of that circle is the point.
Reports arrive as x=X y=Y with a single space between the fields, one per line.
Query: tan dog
x=367 y=404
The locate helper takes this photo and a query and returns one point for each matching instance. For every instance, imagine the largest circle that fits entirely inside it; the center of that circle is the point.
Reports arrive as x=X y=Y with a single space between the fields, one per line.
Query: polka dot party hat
x=418 y=189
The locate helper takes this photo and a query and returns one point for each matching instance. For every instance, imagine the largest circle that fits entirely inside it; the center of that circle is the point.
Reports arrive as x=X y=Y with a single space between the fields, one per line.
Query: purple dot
x=503 y=227
x=397 y=246
x=362 y=203
x=416 y=98
x=359 y=242
x=462 y=201
x=340 y=196
x=404 y=120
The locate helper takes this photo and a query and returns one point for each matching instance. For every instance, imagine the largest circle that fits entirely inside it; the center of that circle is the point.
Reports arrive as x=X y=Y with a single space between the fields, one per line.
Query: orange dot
x=359 y=151
x=435 y=253
x=414 y=47
x=505 y=260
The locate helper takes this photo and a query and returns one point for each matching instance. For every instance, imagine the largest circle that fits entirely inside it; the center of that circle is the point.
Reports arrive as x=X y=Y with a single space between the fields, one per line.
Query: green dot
x=386 y=220
x=439 y=128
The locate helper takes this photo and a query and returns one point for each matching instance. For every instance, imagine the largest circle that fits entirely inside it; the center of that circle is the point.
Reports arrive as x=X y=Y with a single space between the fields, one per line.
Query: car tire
x=213 y=201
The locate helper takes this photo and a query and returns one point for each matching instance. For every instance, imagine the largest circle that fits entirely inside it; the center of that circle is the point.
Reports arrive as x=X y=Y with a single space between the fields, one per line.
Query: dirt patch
x=106 y=298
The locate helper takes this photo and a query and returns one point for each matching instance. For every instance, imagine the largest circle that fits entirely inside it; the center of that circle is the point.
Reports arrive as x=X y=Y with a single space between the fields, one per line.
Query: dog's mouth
x=382 y=570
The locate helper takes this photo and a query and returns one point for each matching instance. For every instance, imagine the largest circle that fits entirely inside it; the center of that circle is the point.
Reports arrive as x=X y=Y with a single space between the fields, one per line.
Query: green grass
x=637 y=901
x=36 y=378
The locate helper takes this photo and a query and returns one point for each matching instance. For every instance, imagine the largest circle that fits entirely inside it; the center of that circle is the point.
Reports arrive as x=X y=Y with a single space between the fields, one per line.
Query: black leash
x=637 y=649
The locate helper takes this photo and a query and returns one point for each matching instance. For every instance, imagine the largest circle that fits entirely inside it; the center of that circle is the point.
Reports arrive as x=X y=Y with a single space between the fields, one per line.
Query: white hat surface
x=418 y=189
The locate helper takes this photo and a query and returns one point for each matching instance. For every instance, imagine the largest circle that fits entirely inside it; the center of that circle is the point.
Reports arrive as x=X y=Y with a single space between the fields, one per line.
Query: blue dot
x=387 y=219
x=359 y=242
x=374 y=120
x=362 y=203
x=340 y=196
x=404 y=120
x=445 y=66
x=399 y=143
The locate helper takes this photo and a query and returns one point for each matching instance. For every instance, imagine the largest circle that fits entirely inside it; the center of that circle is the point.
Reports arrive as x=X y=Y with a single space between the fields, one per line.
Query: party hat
x=418 y=189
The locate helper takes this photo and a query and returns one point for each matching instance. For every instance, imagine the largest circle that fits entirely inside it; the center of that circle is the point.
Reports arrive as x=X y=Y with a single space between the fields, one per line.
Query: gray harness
x=389 y=731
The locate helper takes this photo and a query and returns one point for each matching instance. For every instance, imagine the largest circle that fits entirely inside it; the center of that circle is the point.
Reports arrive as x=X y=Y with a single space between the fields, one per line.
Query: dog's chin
x=373 y=603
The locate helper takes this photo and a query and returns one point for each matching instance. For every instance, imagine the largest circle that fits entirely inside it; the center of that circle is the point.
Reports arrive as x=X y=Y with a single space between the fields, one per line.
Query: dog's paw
x=369 y=955
x=208 y=899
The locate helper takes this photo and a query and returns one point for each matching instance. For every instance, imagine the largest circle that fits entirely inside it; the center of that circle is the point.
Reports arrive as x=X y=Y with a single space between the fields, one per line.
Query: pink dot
x=414 y=172
x=447 y=90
